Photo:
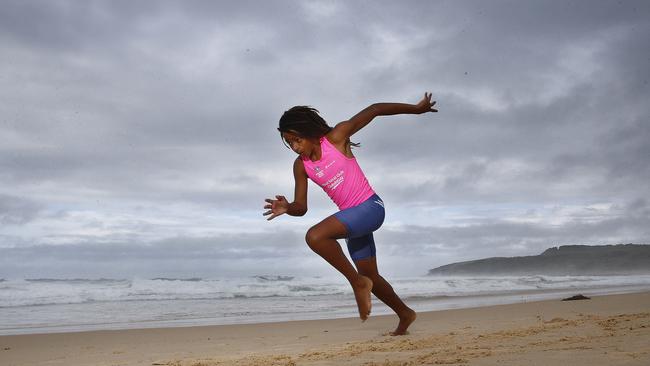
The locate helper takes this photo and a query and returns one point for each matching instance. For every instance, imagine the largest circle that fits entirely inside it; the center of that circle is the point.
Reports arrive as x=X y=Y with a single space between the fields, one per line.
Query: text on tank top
x=339 y=176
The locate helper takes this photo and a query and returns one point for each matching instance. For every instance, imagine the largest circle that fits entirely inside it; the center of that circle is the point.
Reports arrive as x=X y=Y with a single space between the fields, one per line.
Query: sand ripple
x=585 y=338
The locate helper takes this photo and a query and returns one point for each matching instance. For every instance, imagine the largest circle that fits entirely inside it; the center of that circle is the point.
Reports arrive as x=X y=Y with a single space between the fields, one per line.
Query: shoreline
x=348 y=310
x=609 y=329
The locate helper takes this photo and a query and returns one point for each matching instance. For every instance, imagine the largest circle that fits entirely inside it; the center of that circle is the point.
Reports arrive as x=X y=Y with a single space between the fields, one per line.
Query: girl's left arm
x=345 y=129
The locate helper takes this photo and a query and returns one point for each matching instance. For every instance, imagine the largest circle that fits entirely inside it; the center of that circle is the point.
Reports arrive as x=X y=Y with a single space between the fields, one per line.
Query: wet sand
x=606 y=330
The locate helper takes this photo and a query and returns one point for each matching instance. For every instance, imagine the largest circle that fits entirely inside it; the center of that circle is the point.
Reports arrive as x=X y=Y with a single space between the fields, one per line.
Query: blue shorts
x=361 y=221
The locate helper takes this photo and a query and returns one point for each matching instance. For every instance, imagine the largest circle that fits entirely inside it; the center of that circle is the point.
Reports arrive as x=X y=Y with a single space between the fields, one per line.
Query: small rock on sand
x=576 y=297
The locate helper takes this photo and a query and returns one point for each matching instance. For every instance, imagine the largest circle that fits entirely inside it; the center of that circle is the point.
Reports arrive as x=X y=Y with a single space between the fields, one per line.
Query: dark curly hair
x=304 y=121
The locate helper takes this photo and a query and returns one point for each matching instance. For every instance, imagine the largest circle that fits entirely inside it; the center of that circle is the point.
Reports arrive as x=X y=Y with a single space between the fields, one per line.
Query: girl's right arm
x=298 y=207
x=343 y=130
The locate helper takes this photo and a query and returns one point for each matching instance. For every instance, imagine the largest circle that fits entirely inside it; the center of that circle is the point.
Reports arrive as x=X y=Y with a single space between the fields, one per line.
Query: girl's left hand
x=425 y=105
x=276 y=207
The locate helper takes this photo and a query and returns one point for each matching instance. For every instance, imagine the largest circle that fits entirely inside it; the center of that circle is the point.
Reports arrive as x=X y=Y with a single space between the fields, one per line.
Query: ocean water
x=60 y=305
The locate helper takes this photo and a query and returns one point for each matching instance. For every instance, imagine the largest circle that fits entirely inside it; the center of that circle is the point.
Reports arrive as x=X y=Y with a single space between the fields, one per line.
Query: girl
x=325 y=156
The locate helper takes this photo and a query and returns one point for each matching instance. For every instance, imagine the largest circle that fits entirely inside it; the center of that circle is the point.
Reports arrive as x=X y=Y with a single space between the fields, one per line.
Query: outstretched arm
x=345 y=129
x=298 y=207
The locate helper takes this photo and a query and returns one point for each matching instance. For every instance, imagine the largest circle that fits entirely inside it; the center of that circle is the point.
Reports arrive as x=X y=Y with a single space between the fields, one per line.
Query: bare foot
x=362 y=289
x=404 y=321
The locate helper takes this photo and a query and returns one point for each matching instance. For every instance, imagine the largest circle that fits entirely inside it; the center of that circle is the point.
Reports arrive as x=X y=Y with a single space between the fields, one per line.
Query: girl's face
x=300 y=145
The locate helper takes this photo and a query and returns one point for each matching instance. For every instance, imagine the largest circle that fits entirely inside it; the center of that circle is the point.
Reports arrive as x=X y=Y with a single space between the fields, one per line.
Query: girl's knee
x=313 y=236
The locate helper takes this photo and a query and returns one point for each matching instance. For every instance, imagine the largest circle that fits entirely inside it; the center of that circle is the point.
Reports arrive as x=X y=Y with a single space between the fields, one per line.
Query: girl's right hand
x=425 y=105
x=276 y=207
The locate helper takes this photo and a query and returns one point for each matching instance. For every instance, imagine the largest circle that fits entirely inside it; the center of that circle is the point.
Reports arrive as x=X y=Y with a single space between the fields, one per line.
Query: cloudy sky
x=139 y=138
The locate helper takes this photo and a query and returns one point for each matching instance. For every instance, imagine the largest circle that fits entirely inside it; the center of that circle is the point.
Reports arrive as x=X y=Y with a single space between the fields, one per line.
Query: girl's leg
x=322 y=240
x=384 y=292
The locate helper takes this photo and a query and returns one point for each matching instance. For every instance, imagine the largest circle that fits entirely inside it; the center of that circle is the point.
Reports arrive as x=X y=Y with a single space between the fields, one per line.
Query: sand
x=606 y=330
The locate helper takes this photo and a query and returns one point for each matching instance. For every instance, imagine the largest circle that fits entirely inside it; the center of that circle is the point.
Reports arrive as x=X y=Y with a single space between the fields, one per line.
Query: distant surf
x=52 y=305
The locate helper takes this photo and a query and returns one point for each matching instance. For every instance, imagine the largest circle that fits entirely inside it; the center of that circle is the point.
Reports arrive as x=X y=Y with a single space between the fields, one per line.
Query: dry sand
x=606 y=330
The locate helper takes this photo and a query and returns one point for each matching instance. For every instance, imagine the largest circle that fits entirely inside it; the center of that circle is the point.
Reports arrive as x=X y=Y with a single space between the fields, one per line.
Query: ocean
x=62 y=305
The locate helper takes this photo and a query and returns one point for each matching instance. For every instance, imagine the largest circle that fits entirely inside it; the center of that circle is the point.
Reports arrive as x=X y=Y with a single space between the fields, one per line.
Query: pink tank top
x=339 y=176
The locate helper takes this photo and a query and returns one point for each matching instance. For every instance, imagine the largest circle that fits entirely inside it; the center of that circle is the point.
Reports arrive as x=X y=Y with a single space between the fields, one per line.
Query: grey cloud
x=17 y=210
x=113 y=105
x=71 y=26
x=433 y=245
x=496 y=237
x=209 y=255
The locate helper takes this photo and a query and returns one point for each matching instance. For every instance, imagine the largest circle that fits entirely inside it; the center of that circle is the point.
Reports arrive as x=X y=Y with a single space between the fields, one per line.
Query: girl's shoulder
x=341 y=144
x=299 y=166
x=336 y=135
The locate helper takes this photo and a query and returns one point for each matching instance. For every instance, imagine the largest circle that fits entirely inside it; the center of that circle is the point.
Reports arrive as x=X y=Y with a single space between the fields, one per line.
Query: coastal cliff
x=563 y=260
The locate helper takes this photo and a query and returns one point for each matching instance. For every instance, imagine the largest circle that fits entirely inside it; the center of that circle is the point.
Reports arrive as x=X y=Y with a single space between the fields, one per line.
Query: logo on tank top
x=319 y=171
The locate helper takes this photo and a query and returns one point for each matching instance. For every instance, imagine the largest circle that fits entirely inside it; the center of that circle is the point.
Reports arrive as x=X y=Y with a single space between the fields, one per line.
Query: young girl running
x=325 y=156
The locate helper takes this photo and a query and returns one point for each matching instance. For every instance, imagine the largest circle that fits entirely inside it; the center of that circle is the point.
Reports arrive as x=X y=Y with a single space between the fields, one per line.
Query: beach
x=605 y=330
